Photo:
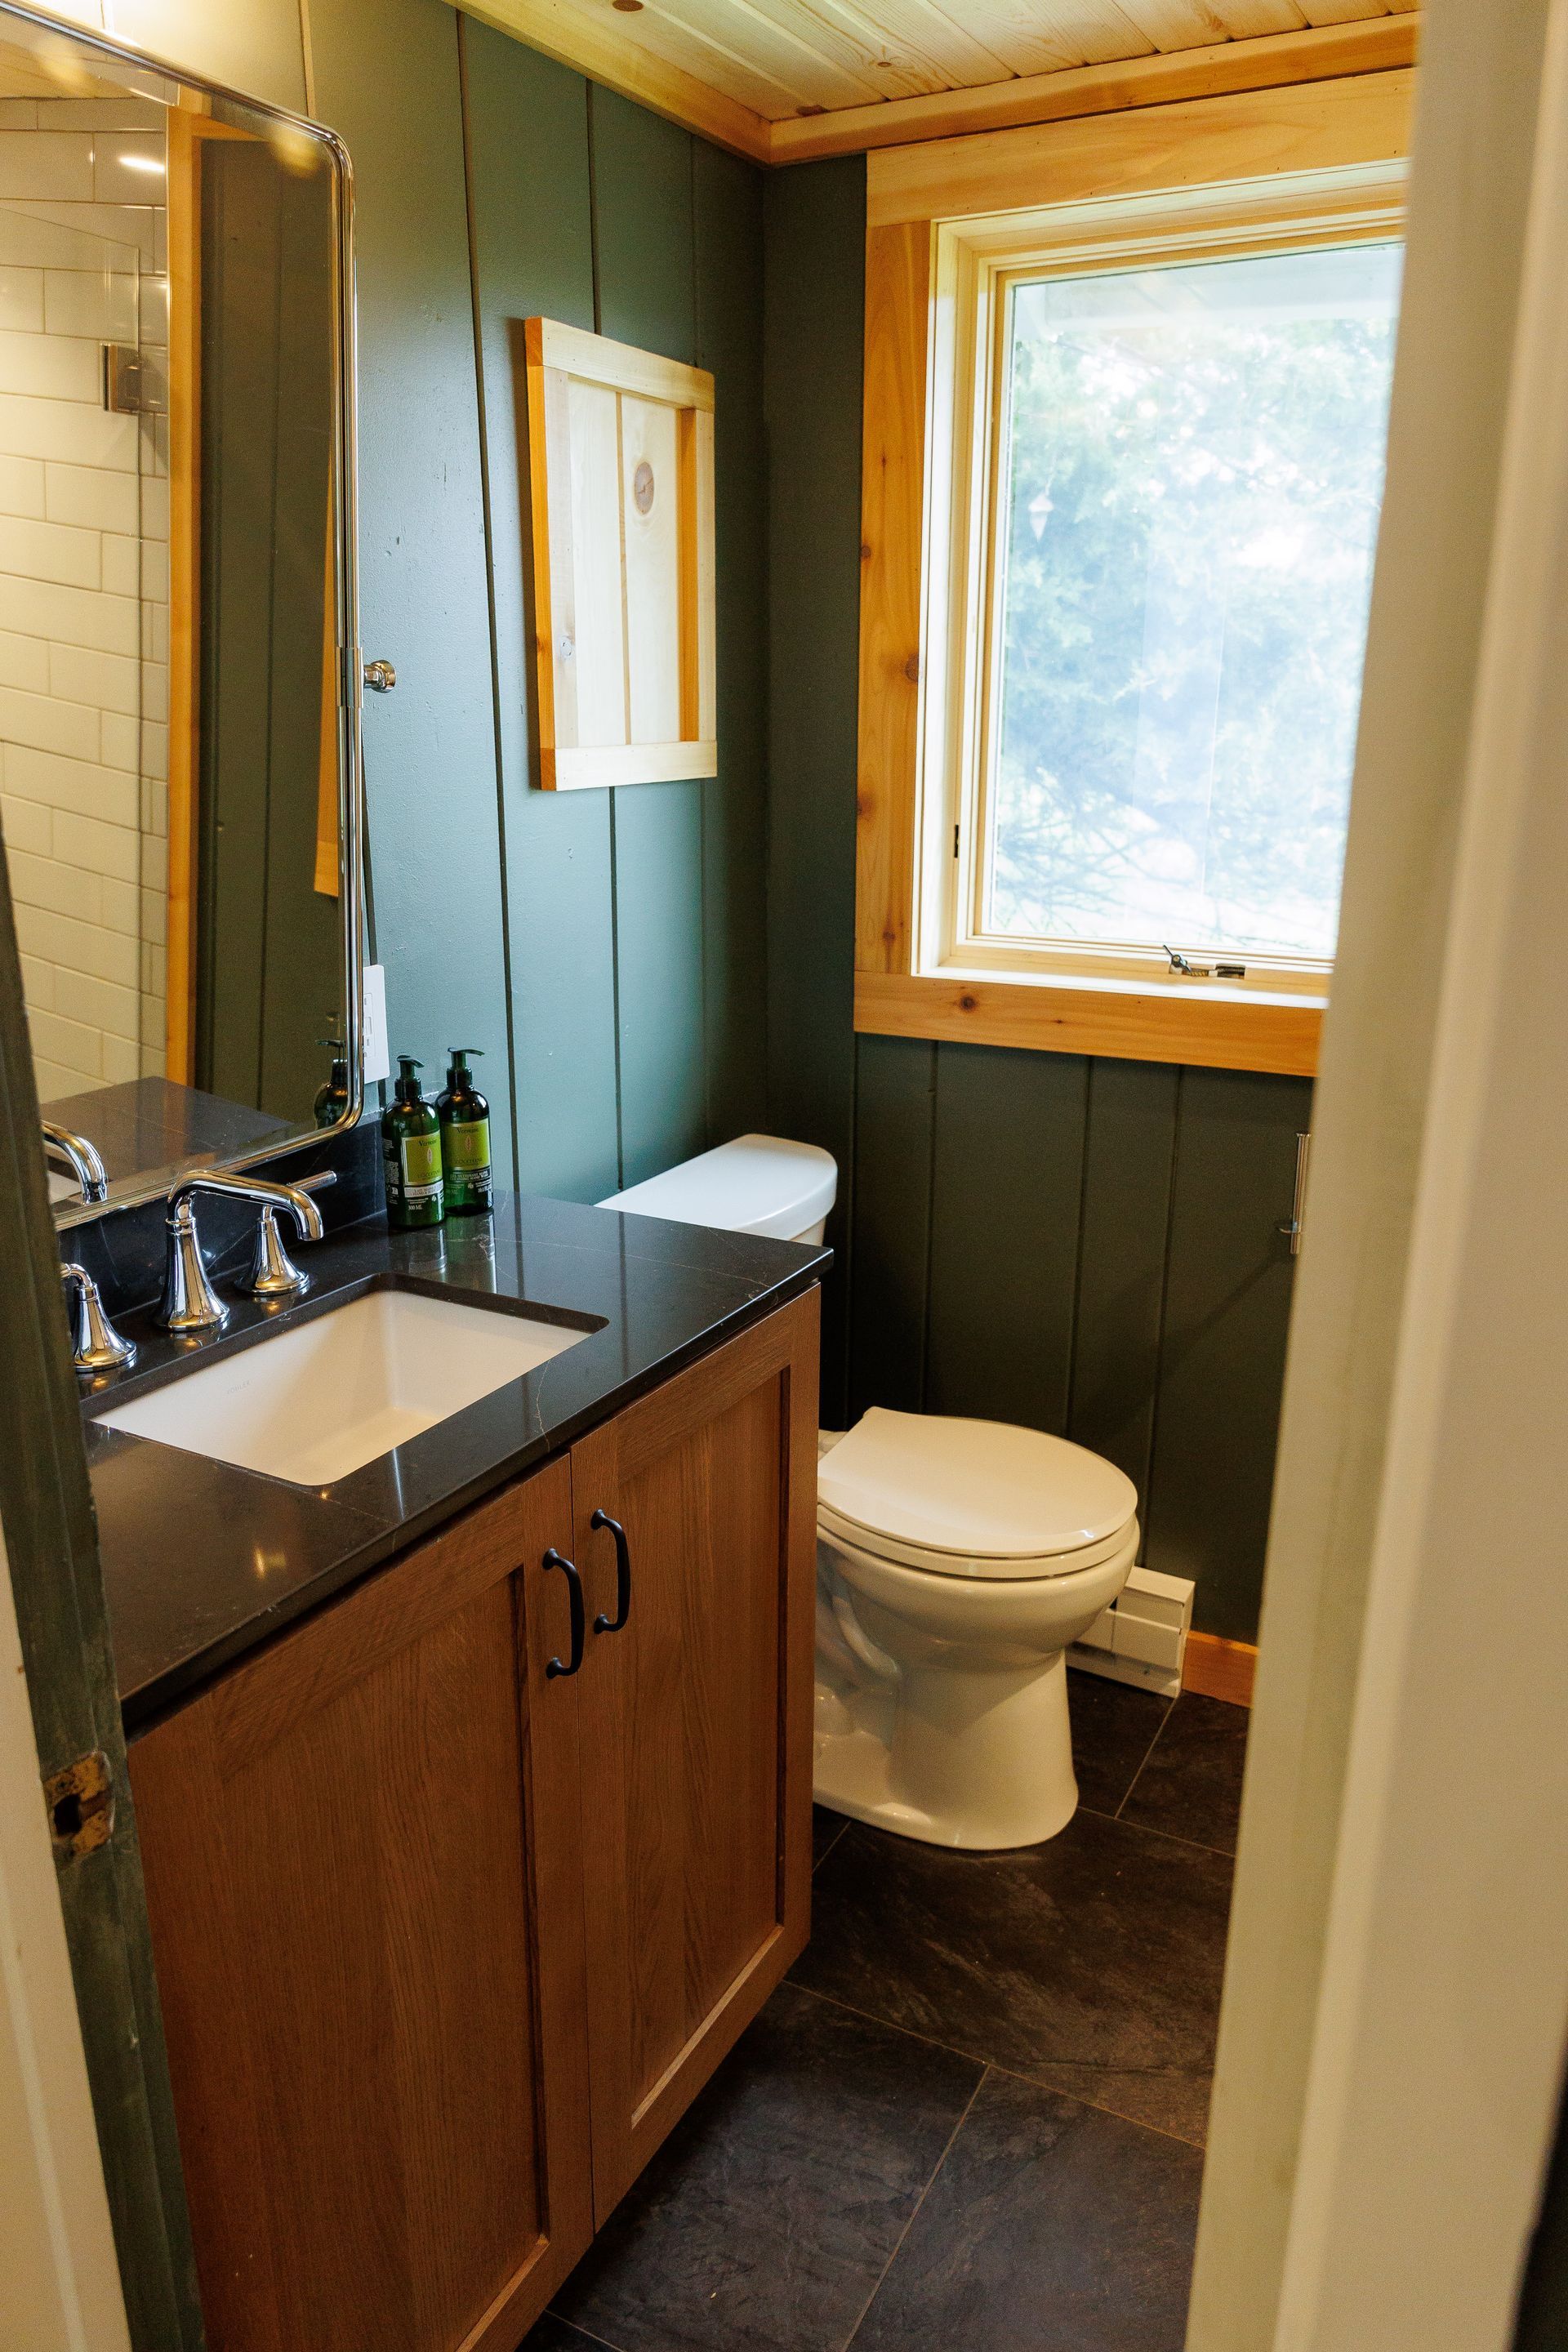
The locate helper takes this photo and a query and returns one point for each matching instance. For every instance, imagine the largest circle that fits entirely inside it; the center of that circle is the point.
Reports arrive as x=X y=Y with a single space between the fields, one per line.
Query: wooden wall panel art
x=621 y=494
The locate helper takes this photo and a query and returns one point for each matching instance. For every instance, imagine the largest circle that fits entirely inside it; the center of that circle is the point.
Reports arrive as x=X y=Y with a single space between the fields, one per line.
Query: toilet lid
x=982 y=1488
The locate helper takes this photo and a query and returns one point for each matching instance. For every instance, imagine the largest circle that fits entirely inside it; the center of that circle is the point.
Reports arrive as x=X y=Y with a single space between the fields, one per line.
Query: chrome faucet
x=80 y=1156
x=189 y=1303
x=96 y=1345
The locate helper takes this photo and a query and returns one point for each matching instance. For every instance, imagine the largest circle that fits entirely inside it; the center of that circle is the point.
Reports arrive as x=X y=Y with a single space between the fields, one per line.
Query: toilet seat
x=977 y=1567
x=972 y=1499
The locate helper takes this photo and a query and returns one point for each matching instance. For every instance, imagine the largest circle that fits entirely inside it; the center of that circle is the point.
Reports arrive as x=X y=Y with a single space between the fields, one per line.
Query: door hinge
x=81 y=1802
x=1298 y=1206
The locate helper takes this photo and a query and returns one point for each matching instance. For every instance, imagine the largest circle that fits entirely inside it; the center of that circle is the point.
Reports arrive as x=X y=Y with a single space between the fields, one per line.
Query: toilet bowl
x=957 y=1561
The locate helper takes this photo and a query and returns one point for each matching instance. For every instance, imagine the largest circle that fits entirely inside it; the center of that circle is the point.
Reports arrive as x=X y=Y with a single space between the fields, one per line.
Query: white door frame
x=1437 y=2025
x=1433 y=2095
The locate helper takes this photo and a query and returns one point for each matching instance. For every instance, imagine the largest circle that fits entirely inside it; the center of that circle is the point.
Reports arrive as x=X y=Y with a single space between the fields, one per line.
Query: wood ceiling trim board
x=815 y=61
x=1379 y=44
x=951 y=45
x=572 y=37
x=1254 y=134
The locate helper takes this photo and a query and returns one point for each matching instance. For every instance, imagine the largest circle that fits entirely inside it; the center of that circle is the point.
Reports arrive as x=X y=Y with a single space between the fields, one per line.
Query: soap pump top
x=459 y=1077
x=408 y=1089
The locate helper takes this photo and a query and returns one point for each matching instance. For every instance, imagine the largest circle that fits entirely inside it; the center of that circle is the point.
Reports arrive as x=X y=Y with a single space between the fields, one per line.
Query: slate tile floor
x=973 y=2118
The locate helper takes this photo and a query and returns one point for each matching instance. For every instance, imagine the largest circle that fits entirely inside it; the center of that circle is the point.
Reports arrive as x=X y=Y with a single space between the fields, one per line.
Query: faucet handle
x=273 y=1273
x=96 y=1345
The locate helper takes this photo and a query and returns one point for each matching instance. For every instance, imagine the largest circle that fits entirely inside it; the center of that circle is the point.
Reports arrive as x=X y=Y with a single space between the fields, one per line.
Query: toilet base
x=997 y=1746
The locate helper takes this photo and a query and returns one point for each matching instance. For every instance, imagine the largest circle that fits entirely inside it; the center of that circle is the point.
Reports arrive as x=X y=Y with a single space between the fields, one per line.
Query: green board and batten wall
x=604 y=950
x=1088 y=1246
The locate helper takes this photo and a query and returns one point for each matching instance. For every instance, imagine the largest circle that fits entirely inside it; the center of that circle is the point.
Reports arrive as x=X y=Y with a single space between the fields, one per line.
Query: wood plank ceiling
x=783 y=57
x=784 y=80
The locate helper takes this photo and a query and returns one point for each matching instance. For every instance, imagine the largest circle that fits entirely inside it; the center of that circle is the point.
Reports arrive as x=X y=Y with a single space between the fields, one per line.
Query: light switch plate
x=373 y=1033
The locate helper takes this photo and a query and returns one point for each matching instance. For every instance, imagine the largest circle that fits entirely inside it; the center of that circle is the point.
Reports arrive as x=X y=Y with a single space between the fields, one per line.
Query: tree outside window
x=1189 y=486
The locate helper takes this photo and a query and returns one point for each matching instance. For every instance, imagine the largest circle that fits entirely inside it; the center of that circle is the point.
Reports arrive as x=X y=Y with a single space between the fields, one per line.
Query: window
x=1190 y=465
x=1117 y=569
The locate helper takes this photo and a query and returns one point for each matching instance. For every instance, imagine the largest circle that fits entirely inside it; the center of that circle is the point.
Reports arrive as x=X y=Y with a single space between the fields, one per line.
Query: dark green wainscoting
x=1086 y=1246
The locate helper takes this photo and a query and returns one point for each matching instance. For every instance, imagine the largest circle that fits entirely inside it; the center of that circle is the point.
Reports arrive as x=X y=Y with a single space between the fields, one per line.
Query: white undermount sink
x=313 y=1402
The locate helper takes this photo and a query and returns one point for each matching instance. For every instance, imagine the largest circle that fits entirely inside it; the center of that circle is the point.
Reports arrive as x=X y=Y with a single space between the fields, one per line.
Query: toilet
x=957 y=1560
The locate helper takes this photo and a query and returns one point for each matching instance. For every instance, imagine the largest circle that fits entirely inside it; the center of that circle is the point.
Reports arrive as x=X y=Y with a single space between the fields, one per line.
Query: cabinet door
x=696 y=1722
x=378 y=2053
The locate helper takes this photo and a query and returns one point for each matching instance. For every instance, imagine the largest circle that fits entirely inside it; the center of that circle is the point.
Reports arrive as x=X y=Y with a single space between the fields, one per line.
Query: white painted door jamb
x=1434 y=2086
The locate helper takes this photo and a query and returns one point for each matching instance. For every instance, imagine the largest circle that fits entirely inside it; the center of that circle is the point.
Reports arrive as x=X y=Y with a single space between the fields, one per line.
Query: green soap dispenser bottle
x=332 y=1102
x=464 y=1137
x=411 y=1149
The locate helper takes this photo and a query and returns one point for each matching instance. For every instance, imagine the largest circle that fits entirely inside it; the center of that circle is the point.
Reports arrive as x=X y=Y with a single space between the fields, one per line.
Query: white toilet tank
x=758 y=1184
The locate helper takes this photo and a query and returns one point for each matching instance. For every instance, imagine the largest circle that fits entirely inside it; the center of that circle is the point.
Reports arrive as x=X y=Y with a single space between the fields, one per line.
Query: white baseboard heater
x=1143 y=1637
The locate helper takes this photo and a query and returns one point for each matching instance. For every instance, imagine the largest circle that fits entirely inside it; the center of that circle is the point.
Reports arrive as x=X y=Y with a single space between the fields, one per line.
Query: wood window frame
x=1320 y=161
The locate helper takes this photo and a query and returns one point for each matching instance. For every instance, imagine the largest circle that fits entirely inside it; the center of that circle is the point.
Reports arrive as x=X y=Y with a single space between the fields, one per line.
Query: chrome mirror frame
x=161 y=81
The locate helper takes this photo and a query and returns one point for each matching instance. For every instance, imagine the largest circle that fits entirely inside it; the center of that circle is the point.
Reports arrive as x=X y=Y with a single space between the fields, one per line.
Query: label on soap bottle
x=420 y=1169
x=468 y=1147
x=465 y=1148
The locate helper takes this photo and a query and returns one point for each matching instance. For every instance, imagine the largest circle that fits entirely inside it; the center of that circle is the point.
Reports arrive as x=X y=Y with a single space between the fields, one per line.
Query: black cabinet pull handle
x=603 y=1624
x=552 y=1559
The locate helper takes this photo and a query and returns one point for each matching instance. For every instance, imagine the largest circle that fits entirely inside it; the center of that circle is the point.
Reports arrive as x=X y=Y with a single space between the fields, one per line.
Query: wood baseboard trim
x=1218 y=1668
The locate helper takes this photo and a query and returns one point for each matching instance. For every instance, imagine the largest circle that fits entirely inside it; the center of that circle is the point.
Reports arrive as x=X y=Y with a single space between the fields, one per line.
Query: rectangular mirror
x=179 y=728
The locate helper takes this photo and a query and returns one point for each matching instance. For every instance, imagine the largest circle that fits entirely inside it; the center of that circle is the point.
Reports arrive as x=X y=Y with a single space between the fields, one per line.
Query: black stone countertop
x=201 y=1559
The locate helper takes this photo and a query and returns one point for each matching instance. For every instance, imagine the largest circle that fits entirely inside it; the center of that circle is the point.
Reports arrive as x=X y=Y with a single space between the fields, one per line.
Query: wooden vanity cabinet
x=363 y=1881
x=696 y=1722
x=447 y=1941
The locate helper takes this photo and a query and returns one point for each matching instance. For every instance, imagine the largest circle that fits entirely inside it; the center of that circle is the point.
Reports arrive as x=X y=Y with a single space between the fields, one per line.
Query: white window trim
x=974 y=258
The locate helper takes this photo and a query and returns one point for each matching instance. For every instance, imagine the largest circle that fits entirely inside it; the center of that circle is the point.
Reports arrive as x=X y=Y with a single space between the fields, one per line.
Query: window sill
x=1212 y=1028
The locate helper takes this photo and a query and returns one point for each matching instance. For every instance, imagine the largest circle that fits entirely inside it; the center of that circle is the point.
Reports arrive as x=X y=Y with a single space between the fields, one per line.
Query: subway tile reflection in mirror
x=84 y=588
x=170 y=590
